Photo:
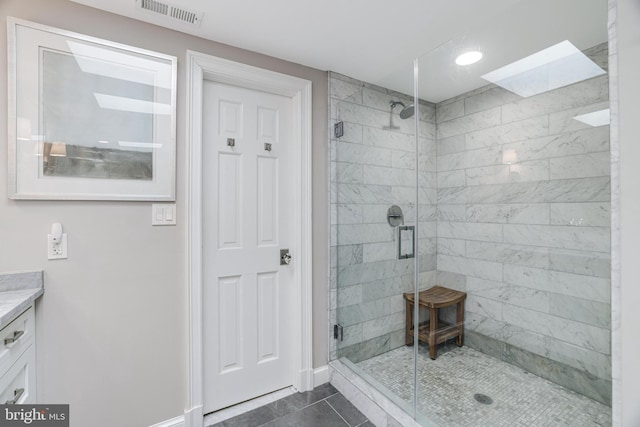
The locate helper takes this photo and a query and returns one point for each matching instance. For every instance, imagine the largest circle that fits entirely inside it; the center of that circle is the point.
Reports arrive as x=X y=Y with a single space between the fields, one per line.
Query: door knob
x=285 y=257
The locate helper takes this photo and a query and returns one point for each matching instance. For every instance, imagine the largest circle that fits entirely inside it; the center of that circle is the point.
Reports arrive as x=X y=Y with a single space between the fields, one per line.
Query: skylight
x=595 y=119
x=559 y=65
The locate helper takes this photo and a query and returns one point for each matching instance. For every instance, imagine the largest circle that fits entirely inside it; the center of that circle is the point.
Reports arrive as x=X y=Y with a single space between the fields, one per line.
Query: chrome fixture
x=406 y=111
x=395 y=217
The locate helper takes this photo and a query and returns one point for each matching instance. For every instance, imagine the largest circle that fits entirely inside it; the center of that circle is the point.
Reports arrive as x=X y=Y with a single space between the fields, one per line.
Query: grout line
x=336 y=411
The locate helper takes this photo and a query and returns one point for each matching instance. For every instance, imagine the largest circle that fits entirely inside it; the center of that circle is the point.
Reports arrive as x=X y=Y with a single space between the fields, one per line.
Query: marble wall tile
x=381 y=99
x=350 y=335
x=530 y=256
x=580 y=334
x=388 y=139
x=427 y=229
x=468 y=123
x=362 y=154
x=349 y=234
x=574 y=379
x=592 y=362
x=515 y=213
x=366 y=349
x=519 y=172
x=452 y=213
x=492 y=97
x=564 y=121
x=349 y=295
x=518 y=131
x=352 y=134
x=470 y=231
x=373 y=252
x=345 y=91
x=483 y=306
x=369 y=272
x=580 y=166
x=599 y=54
x=453 y=247
x=383 y=326
x=517 y=295
x=581 y=214
x=377 y=213
x=427 y=245
x=371 y=117
x=454 y=144
x=469 y=159
x=408 y=195
x=427 y=111
x=580 y=262
x=478 y=285
x=454 y=178
x=581 y=310
x=566 y=190
x=587 y=287
x=483 y=325
x=525 y=339
x=403 y=160
x=363 y=312
x=378 y=175
x=348 y=255
x=563 y=237
x=348 y=172
x=387 y=287
x=487 y=345
x=451 y=280
x=449 y=111
x=587 y=92
x=347 y=213
x=363 y=194
x=470 y=267
x=566 y=144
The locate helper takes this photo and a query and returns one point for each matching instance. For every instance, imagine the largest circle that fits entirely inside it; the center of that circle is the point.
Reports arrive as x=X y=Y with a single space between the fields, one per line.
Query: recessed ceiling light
x=469 y=58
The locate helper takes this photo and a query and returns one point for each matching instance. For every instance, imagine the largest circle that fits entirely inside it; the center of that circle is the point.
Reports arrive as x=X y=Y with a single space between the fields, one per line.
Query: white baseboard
x=320 y=375
x=173 y=422
x=194 y=417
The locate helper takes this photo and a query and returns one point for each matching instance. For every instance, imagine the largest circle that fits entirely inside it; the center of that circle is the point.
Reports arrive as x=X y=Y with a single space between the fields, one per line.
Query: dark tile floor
x=323 y=406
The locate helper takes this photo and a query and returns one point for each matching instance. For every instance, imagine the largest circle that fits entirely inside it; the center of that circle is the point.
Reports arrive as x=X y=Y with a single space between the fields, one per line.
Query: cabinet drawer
x=15 y=338
x=18 y=385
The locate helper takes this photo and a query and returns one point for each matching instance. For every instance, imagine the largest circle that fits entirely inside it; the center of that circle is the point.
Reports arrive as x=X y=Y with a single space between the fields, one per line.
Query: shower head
x=406 y=111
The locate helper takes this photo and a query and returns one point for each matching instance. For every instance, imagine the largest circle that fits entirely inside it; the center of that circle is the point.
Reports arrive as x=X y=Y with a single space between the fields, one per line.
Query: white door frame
x=201 y=67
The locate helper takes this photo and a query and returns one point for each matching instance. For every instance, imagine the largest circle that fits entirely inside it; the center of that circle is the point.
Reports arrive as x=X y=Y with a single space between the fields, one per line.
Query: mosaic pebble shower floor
x=448 y=384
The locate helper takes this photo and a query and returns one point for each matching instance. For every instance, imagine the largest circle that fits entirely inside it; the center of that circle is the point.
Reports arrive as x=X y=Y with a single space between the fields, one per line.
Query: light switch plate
x=163 y=214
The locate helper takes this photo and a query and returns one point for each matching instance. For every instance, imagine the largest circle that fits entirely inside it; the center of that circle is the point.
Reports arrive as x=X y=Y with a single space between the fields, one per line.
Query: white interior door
x=247 y=209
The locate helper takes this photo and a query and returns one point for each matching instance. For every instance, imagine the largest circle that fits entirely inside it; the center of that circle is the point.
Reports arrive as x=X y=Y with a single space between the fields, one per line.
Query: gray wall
x=626 y=369
x=112 y=338
x=372 y=168
x=524 y=227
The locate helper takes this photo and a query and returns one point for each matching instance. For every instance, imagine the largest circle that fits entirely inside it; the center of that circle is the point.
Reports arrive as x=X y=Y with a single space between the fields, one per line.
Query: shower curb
x=378 y=408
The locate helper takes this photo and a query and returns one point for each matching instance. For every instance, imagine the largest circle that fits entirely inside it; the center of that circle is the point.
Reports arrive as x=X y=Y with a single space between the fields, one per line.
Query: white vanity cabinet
x=17 y=359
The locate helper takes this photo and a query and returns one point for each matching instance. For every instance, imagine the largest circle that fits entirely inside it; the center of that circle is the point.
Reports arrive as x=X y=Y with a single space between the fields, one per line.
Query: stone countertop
x=17 y=292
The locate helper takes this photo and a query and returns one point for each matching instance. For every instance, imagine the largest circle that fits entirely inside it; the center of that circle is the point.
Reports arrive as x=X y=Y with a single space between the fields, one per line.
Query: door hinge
x=338 y=332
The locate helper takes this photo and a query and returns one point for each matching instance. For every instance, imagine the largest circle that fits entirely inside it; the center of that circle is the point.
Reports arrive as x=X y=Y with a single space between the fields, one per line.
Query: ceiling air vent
x=170 y=11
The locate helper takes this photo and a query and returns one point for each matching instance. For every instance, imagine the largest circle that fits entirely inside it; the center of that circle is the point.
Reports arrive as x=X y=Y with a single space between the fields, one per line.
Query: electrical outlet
x=57 y=250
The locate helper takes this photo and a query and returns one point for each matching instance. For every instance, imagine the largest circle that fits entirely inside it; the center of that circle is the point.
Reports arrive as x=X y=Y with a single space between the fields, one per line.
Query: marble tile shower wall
x=372 y=168
x=524 y=227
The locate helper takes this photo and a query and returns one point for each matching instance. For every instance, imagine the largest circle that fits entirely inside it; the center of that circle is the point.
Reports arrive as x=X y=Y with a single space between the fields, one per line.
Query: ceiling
x=371 y=40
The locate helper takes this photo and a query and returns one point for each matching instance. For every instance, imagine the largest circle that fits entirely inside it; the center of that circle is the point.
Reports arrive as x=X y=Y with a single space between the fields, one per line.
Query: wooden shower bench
x=434 y=331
